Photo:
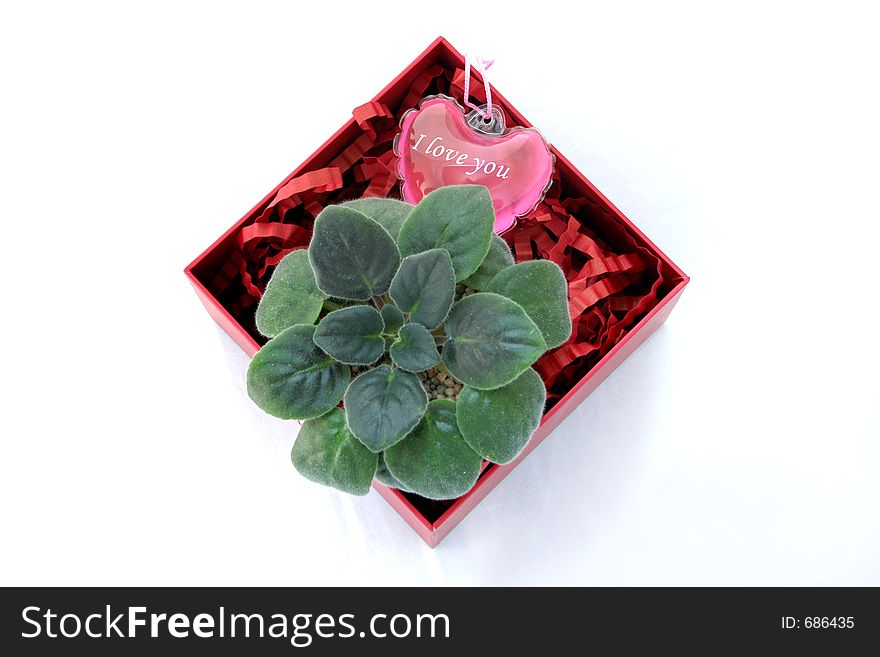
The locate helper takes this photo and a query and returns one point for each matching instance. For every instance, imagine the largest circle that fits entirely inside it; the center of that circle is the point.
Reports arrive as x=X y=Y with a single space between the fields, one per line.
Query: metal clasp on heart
x=492 y=126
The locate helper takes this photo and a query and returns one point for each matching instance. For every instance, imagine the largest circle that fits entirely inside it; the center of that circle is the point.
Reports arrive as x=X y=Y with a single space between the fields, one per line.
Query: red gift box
x=621 y=286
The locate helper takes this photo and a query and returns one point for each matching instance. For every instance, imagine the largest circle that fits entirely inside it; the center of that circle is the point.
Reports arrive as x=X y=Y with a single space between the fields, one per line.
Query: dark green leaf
x=327 y=453
x=383 y=405
x=352 y=256
x=292 y=379
x=491 y=341
x=539 y=286
x=424 y=287
x=498 y=423
x=458 y=218
x=499 y=257
x=414 y=349
x=352 y=335
x=385 y=476
x=387 y=212
x=291 y=297
x=392 y=317
x=434 y=460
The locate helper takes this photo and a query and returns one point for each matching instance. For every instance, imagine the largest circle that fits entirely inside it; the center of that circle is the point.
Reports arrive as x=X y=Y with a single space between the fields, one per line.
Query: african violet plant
x=417 y=319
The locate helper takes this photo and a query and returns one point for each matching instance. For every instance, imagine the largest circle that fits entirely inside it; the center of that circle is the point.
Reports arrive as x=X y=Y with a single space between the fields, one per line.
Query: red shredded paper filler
x=609 y=289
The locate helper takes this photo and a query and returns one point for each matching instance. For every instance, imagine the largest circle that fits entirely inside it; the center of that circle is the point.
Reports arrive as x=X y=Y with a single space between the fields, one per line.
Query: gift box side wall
x=202 y=269
x=496 y=473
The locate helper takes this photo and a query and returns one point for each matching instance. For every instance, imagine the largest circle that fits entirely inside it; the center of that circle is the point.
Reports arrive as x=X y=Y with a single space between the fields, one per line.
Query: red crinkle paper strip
x=609 y=288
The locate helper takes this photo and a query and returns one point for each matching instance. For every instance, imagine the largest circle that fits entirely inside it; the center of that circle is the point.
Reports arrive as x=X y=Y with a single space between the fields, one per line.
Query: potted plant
x=404 y=338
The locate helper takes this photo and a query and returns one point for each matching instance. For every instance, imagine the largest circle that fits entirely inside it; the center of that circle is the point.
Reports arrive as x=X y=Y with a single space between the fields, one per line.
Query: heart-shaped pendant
x=438 y=145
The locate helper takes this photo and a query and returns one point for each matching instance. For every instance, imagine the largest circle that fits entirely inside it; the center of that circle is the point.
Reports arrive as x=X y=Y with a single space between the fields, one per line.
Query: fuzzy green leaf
x=387 y=212
x=490 y=341
x=498 y=423
x=392 y=316
x=434 y=461
x=352 y=256
x=458 y=218
x=385 y=476
x=499 y=257
x=539 y=286
x=291 y=297
x=352 y=335
x=327 y=453
x=382 y=405
x=424 y=287
x=292 y=379
x=415 y=349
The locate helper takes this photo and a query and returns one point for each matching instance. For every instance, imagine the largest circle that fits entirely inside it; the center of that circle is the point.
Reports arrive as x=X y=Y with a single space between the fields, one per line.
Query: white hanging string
x=482 y=66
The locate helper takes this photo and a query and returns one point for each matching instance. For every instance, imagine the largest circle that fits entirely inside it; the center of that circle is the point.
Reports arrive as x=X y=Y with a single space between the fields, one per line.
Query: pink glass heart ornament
x=439 y=145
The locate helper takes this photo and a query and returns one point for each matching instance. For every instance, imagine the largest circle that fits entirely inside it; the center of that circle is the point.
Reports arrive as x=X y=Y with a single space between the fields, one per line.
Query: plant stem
x=378 y=301
x=440 y=340
x=331 y=305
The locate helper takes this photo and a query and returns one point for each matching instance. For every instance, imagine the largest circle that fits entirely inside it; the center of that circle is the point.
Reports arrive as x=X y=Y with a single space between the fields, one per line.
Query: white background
x=738 y=446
